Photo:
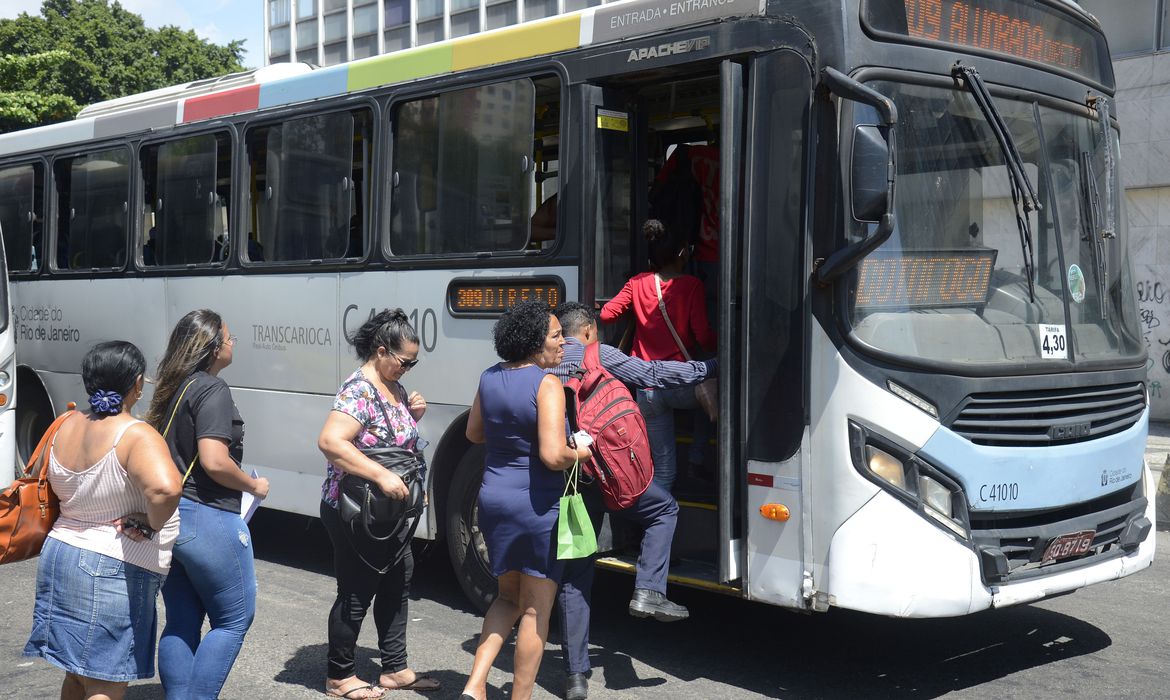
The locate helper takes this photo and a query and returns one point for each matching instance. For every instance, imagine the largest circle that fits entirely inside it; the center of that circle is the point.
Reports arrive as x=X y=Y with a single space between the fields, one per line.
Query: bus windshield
x=951 y=286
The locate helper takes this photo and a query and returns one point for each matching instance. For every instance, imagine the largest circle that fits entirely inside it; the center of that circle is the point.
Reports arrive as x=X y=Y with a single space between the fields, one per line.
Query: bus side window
x=184 y=207
x=310 y=191
x=466 y=176
x=546 y=165
x=21 y=204
x=92 y=216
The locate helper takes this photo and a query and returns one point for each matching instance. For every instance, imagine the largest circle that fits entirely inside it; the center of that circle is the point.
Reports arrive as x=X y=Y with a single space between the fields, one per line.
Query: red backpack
x=598 y=403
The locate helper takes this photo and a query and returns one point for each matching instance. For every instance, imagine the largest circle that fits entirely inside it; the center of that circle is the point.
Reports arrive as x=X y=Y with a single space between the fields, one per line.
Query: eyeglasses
x=230 y=340
x=406 y=364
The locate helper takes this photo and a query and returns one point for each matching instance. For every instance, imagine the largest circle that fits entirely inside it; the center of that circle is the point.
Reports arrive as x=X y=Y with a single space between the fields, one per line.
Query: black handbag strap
x=377 y=398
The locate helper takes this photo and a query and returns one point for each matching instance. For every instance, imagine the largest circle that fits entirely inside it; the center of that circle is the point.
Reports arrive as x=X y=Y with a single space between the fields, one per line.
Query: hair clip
x=102 y=401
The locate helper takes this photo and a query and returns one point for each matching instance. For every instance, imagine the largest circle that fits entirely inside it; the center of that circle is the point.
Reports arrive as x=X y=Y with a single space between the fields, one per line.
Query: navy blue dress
x=520 y=497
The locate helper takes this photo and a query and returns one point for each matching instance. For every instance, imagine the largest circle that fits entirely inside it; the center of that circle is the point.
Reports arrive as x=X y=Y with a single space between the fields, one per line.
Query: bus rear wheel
x=465 y=544
x=34 y=414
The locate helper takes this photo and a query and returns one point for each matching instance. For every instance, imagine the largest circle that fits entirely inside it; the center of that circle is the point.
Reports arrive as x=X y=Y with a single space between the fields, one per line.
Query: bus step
x=685 y=572
x=697 y=534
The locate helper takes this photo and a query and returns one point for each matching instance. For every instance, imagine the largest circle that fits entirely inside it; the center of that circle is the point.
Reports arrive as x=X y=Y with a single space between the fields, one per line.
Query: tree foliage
x=77 y=52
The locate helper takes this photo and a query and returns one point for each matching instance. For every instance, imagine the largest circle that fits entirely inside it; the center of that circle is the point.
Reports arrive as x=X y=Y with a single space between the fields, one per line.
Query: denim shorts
x=94 y=615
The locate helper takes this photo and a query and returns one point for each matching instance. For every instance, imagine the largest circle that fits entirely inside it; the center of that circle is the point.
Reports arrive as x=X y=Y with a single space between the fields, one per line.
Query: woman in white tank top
x=107 y=554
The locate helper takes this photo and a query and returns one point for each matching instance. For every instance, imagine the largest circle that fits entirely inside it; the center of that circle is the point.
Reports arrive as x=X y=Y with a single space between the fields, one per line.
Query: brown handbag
x=28 y=508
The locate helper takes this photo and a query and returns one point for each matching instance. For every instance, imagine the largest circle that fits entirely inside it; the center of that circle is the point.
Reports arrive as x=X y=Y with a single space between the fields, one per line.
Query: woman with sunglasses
x=372 y=408
x=212 y=576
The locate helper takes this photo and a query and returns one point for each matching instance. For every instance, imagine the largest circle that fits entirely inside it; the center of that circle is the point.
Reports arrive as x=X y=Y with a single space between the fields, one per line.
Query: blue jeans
x=656 y=512
x=658 y=406
x=212 y=576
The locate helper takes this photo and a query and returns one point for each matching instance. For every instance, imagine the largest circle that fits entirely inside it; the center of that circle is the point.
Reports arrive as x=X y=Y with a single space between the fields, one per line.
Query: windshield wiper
x=1109 y=221
x=1023 y=193
x=1100 y=221
x=1090 y=224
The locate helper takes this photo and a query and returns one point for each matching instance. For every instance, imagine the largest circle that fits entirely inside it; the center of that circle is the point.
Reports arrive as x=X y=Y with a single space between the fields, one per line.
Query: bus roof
x=263 y=89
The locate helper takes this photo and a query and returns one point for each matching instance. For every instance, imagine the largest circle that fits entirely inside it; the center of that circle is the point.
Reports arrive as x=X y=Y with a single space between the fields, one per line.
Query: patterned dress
x=359 y=399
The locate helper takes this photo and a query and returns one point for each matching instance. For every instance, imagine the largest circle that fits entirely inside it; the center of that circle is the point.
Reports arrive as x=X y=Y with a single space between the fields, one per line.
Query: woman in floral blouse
x=371 y=409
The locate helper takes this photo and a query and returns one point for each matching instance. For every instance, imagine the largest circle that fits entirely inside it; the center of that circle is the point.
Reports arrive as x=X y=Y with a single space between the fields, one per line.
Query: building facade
x=327 y=32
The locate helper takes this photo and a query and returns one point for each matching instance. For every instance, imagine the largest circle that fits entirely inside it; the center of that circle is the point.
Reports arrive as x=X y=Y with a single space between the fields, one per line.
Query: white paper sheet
x=249 y=503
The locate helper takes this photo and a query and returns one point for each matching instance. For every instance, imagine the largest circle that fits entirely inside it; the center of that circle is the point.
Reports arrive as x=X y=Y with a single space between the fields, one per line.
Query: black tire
x=34 y=415
x=465 y=543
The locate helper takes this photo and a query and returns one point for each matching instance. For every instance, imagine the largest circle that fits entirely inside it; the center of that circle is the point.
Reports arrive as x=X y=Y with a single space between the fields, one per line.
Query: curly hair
x=521 y=331
x=389 y=328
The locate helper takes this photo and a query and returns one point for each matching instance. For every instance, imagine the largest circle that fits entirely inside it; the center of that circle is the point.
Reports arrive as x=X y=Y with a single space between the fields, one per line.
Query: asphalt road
x=1102 y=642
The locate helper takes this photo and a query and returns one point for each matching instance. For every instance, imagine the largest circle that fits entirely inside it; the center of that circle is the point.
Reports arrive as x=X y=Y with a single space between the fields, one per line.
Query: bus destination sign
x=472 y=297
x=924 y=279
x=1027 y=31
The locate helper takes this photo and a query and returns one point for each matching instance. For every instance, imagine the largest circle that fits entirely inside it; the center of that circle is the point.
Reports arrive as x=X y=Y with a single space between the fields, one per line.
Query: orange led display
x=471 y=297
x=924 y=279
x=1028 y=31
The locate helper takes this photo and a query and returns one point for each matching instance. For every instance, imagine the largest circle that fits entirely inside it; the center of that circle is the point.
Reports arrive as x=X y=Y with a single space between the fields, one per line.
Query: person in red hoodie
x=682 y=295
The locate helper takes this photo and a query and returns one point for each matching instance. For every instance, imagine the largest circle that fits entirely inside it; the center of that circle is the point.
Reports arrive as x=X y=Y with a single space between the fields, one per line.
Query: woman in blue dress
x=519 y=411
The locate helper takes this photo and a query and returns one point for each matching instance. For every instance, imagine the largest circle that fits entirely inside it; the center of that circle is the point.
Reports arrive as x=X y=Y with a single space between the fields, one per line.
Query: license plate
x=1070 y=545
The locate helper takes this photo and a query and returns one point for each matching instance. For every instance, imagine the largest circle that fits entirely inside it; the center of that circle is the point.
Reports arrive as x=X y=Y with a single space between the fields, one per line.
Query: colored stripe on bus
x=559 y=33
x=217 y=104
x=400 y=66
x=142 y=119
x=324 y=82
x=50 y=136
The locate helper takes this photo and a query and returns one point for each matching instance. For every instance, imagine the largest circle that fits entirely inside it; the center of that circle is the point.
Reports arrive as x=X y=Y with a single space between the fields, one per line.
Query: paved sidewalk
x=1157 y=455
x=1158 y=445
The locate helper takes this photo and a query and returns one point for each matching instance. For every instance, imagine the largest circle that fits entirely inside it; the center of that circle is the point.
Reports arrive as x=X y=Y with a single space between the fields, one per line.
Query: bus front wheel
x=34 y=414
x=465 y=544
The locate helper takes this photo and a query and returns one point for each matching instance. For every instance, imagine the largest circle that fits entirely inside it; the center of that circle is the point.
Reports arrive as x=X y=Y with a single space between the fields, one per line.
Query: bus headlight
x=886 y=466
x=5 y=377
x=935 y=495
x=915 y=482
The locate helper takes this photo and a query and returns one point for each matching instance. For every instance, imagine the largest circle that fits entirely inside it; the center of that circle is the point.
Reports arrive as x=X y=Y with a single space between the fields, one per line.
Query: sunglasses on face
x=406 y=364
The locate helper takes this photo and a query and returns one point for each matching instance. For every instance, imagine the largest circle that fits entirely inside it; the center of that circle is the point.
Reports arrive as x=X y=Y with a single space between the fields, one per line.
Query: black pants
x=357 y=585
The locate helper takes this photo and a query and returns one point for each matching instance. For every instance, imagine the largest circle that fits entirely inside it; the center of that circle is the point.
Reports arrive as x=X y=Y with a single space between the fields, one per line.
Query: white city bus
x=932 y=379
x=8 y=462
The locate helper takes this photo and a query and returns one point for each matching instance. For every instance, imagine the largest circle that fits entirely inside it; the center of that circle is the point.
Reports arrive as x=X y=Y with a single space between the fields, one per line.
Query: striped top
x=644 y=374
x=91 y=499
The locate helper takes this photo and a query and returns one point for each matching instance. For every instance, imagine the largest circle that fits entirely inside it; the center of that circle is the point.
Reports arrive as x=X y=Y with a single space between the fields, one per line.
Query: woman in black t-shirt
x=212 y=575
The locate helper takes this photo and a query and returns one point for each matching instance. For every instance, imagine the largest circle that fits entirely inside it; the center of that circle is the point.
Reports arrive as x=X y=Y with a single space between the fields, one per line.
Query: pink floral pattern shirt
x=359 y=399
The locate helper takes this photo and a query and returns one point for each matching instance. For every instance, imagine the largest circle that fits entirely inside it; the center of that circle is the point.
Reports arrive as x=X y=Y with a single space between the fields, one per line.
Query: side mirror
x=870 y=173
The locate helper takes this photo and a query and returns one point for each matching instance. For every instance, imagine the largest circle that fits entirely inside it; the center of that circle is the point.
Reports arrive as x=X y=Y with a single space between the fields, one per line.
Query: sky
x=218 y=21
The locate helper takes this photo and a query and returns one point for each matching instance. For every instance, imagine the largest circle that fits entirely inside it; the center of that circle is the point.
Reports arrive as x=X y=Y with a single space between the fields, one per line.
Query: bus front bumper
x=887 y=560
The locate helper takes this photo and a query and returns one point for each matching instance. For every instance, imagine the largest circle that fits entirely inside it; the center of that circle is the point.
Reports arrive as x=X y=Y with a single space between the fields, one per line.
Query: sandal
x=422 y=683
x=349 y=694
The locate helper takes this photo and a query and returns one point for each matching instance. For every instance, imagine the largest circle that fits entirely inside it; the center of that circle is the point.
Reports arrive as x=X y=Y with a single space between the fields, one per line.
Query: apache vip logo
x=671 y=49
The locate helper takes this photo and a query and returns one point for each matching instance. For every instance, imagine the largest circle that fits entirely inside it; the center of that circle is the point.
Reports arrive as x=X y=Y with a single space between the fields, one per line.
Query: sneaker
x=647 y=603
x=576 y=687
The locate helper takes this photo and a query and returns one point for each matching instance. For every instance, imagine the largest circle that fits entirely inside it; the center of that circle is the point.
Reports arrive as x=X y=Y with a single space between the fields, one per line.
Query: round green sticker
x=1076 y=283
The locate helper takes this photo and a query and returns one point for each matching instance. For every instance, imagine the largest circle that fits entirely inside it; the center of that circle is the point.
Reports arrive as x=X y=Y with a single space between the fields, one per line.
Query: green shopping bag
x=575 y=536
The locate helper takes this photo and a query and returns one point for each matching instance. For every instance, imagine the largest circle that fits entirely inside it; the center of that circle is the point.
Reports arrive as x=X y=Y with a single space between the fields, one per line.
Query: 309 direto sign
x=474 y=297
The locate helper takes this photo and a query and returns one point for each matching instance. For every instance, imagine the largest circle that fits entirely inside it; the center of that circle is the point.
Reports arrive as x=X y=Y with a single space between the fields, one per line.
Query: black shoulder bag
x=373 y=515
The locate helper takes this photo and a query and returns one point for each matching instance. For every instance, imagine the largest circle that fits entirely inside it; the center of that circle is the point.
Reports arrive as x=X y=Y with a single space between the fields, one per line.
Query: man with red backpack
x=655 y=509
